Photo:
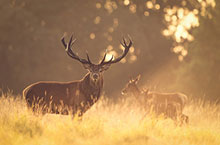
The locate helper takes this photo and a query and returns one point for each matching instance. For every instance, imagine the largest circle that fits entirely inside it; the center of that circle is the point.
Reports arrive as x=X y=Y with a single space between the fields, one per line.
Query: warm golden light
x=183 y=3
x=178 y=49
x=98 y=5
x=115 y=22
x=149 y=4
x=110 y=54
x=184 y=52
x=113 y=122
x=108 y=57
x=190 y=37
x=132 y=8
x=97 y=20
x=109 y=48
x=123 y=60
x=157 y=6
x=180 y=13
x=180 y=21
x=173 y=18
x=110 y=29
x=92 y=36
x=131 y=49
x=166 y=32
x=121 y=47
x=205 y=3
x=190 y=20
x=110 y=6
x=126 y=2
x=180 y=57
x=172 y=44
x=167 y=17
x=109 y=38
x=133 y=58
x=146 y=13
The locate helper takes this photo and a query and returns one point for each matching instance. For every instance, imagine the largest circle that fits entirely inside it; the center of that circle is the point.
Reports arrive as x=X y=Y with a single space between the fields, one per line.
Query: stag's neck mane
x=87 y=83
x=90 y=89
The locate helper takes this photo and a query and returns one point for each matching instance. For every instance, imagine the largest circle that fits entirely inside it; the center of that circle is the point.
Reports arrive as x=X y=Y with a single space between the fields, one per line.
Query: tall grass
x=107 y=123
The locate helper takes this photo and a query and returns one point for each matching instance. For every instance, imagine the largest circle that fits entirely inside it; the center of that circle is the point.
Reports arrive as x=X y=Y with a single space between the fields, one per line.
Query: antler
x=127 y=47
x=72 y=54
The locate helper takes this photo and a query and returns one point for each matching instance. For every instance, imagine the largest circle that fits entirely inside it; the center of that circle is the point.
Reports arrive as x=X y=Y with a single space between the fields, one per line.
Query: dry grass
x=107 y=123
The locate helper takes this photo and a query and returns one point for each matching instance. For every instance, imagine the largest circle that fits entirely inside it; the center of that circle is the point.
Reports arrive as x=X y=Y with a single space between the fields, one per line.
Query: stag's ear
x=105 y=67
x=137 y=79
x=86 y=66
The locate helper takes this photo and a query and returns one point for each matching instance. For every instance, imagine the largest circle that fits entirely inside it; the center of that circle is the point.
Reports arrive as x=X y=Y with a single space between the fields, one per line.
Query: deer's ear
x=86 y=66
x=105 y=67
x=137 y=79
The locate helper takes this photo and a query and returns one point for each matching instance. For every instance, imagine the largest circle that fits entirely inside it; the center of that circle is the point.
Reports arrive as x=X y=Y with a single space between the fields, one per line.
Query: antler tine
x=69 y=50
x=71 y=38
x=64 y=43
x=123 y=43
x=127 y=47
x=107 y=62
x=103 y=58
x=71 y=53
x=87 y=55
x=71 y=41
x=110 y=59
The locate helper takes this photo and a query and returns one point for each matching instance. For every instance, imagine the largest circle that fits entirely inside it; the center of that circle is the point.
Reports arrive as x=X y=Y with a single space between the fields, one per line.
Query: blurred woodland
x=176 y=46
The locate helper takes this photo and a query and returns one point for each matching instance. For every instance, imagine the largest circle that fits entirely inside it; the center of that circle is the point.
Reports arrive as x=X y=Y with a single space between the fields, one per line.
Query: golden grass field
x=107 y=123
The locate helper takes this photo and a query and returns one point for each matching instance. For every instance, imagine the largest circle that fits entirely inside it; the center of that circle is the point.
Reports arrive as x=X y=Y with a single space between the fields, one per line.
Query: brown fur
x=77 y=96
x=172 y=110
x=166 y=98
x=169 y=104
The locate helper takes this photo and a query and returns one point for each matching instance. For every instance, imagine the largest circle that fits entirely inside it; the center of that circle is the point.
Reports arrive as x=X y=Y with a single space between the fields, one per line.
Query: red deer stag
x=169 y=104
x=77 y=96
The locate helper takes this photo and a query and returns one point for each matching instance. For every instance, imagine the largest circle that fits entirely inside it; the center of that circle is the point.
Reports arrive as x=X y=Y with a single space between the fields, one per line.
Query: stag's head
x=95 y=70
x=131 y=87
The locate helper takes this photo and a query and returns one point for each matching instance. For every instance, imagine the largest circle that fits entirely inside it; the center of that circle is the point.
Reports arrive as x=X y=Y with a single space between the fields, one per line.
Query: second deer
x=169 y=104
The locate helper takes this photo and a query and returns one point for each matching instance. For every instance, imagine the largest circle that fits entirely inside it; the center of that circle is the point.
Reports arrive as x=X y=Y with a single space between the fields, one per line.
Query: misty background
x=175 y=43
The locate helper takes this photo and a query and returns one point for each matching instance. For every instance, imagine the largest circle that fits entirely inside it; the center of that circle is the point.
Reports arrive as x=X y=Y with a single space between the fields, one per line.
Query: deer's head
x=131 y=87
x=95 y=70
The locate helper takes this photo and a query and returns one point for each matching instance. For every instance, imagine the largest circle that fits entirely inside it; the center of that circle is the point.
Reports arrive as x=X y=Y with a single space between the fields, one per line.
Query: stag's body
x=76 y=96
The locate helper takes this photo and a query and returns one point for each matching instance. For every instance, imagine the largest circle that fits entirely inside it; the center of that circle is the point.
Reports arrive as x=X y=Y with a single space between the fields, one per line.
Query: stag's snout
x=95 y=76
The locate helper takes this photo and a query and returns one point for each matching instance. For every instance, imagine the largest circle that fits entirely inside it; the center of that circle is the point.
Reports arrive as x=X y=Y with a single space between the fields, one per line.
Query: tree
x=200 y=72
